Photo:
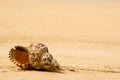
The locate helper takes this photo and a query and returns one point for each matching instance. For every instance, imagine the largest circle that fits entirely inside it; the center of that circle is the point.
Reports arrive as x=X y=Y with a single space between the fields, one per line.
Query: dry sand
x=82 y=36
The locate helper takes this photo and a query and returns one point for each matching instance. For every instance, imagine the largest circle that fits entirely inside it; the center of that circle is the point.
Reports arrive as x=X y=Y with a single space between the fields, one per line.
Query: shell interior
x=21 y=57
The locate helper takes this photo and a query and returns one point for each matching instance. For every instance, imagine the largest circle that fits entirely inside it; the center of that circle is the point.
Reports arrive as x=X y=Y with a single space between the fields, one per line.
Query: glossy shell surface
x=36 y=56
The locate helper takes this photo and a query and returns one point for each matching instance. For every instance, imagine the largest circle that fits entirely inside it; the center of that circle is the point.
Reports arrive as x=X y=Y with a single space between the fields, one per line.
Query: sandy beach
x=82 y=36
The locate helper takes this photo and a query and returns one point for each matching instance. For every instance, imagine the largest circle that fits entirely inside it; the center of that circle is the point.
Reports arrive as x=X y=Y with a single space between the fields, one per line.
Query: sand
x=82 y=36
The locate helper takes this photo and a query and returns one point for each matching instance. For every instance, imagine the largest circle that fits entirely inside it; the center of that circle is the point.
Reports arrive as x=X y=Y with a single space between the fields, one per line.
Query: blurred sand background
x=84 y=36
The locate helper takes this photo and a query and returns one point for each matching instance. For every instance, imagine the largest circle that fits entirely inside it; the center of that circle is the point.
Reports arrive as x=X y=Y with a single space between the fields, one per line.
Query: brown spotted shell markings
x=36 y=56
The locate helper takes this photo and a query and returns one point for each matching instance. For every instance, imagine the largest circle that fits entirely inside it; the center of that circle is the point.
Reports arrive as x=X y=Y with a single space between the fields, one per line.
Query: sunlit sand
x=82 y=36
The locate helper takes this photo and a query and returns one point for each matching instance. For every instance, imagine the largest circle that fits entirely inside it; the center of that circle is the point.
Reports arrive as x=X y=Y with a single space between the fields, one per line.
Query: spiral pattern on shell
x=36 y=56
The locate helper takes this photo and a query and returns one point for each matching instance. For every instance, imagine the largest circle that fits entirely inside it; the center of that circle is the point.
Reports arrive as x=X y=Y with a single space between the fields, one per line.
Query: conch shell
x=36 y=57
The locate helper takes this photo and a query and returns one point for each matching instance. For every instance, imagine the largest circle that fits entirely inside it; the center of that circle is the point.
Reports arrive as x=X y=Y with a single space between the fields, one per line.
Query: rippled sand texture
x=82 y=36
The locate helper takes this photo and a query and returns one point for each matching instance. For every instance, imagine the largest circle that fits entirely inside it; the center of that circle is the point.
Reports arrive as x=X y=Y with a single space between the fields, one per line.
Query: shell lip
x=19 y=56
x=21 y=48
